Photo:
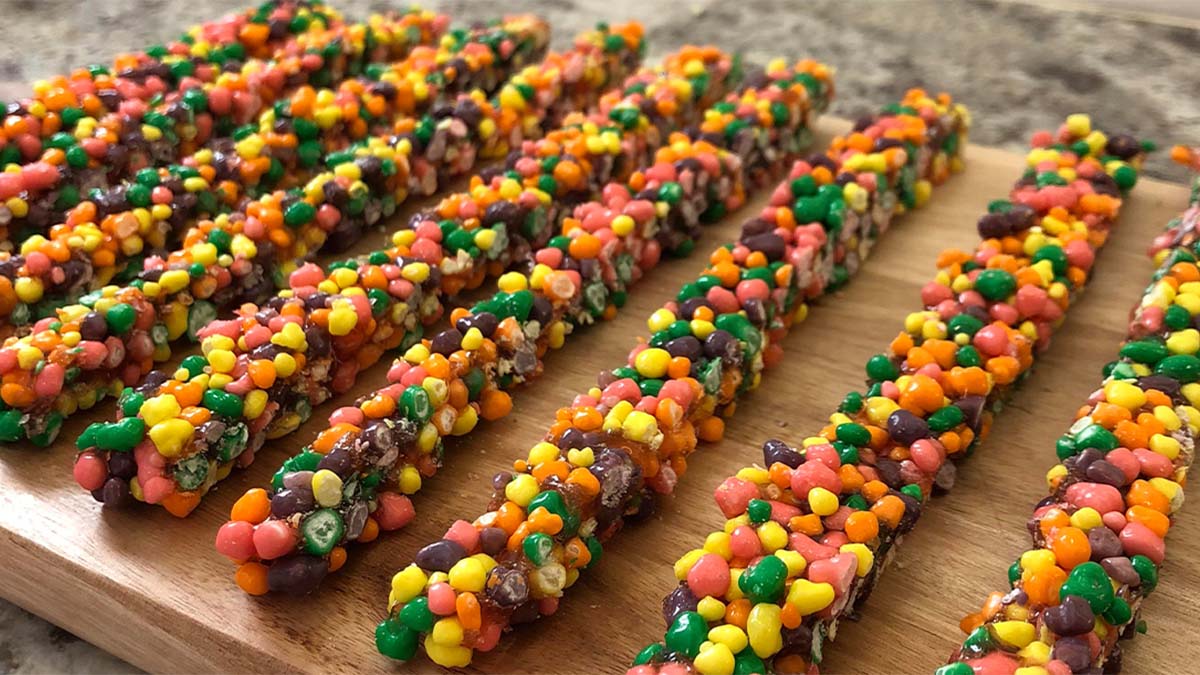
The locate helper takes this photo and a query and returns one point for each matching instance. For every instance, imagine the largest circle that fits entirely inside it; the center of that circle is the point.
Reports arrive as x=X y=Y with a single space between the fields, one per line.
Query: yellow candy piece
x=327 y=488
x=714 y=659
x=521 y=489
x=467 y=575
x=1014 y=633
x=809 y=597
x=763 y=627
x=171 y=436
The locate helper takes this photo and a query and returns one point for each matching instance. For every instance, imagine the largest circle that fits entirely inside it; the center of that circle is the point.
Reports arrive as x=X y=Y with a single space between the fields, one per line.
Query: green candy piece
x=194 y=364
x=299 y=213
x=552 y=501
x=1182 y=367
x=945 y=419
x=537 y=547
x=880 y=368
x=1147 y=570
x=223 y=403
x=967 y=356
x=1149 y=352
x=978 y=641
x=1096 y=436
x=11 y=429
x=995 y=284
x=964 y=324
x=1177 y=318
x=395 y=640
x=810 y=209
x=120 y=318
x=416 y=615
x=122 y=435
x=1125 y=177
x=687 y=632
x=746 y=662
x=847 y=452
x=415 y=404
x=1056 y=256
x=648 y=654
x=956 y=668
x=854 y=434
x=1089 y=581
x=913 y=490
x=759 y=511
x=764 y=580
x=595 y=548
x=1119 y=613
x=852 y=403
x=322 y=530
x=130 y=402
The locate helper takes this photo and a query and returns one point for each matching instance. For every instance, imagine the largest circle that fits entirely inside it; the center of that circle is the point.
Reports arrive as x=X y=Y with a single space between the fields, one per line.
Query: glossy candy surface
x=810 y=529
x=617 y=446
x=1098 y=538
x=242 y=257
x=580 y=276
x=262 y=372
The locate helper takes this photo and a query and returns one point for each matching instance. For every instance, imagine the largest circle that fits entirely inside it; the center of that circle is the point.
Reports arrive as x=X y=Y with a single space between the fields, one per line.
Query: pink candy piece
x=709 y=576
x=90 y=471
x=837 y=571
x=441 y=599
x=809 y=548
x=995 y=663
x=1137 y=539
x=394 y=511
x=235 y=540
x=733 y=496
x=1103 y=498
x=744 y=542
x=274 y=539
x=815 y=474
x=464 y=534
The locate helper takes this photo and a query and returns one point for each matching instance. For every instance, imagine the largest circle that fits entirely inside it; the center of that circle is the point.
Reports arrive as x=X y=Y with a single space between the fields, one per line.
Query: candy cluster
x=809 y=531
x=616 y=447
x=114 y=335
x=261 y=373
x=132 y=227
x=81 y=135
x=443 y=386
x=1098 y=537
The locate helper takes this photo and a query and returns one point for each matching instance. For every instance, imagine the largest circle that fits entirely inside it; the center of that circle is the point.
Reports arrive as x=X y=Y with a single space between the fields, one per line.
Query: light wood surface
x=152 y=590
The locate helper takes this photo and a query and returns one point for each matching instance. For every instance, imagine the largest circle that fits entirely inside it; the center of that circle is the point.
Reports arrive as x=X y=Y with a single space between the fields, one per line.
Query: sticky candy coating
x=1098 y=537
x=312 y=340
x=130 y=228
x=614 y=448
x=242 y=257
x=464 y=372
x=98 y=129
x=809 y=530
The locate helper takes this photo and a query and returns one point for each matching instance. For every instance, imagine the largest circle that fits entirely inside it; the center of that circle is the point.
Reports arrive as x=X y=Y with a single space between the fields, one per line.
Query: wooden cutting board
x=151 y=589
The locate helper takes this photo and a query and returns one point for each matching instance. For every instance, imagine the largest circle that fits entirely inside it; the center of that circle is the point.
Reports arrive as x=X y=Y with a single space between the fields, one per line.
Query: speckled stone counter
x=1019 y=67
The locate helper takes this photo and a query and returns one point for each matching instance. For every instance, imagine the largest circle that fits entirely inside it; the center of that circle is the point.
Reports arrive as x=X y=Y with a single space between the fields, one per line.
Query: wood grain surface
x=152 y=589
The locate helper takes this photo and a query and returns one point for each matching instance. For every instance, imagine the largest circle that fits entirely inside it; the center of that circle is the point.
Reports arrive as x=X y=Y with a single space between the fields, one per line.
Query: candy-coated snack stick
x=262 y=372
x=113 y=337
x=128 y=229
x=80 y=136
x=613 y=449
x=580 y=276
x=810 y=529
x=1098 y=538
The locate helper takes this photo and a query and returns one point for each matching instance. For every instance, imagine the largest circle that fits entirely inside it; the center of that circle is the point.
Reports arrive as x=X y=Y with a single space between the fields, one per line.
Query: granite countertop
x=1018 y=66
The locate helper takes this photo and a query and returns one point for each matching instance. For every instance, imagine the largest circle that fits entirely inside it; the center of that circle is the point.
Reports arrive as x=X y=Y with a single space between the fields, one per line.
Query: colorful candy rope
x=104 y=239
x=807 y=536
x=1098 y=538
x=242 y=257
x=261 y=373
x=614 y=448
x=45 y=178
x=447 y=383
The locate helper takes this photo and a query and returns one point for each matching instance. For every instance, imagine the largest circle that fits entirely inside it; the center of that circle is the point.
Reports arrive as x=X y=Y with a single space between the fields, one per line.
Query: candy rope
x=104 y=240
x=614 y=448
x=99 y=130
x=1098 y=538
x=807 y=536
x=443 y=386
x=262 y=372
x=115 y=335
